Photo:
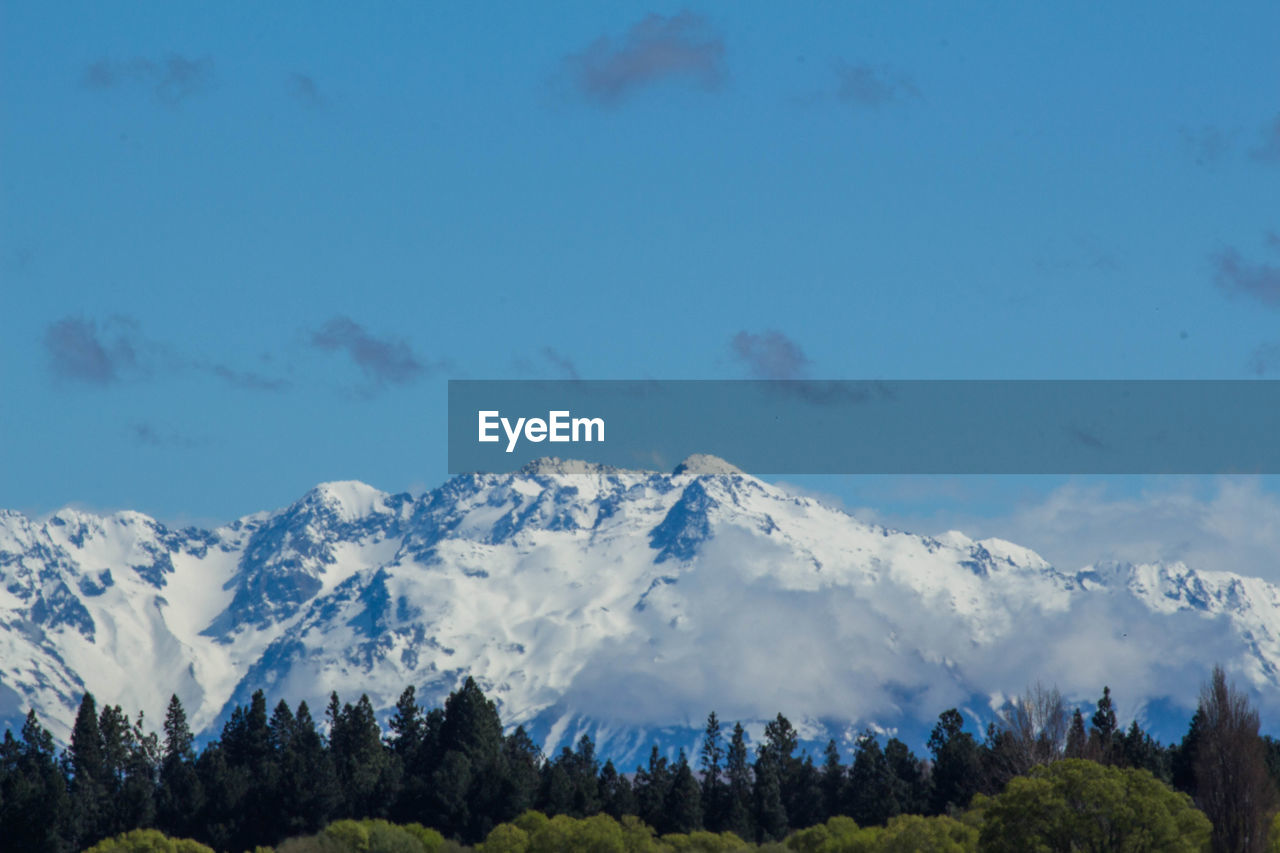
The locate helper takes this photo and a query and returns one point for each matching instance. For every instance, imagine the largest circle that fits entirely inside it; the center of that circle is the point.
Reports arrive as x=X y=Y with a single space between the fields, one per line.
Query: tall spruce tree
x=1077 y=738
x=1102 y=729
x=651 y=787
x=616 y=797
x=770 y=815
x=739 y=809
x=833 y=781
x=871 y=789
x=363 y=766
x=907 y=778
x=683 y=806
x=309 y=794
x=33 y=798
x=90 y=806
x=956 y=765
x=710 y=759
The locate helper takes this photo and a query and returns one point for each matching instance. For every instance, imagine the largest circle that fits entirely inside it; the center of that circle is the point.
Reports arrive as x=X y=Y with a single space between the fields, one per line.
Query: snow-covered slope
x=586 y=598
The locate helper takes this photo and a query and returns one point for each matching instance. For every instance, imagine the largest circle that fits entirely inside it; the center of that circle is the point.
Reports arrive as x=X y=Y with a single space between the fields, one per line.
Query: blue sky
x=243 y=247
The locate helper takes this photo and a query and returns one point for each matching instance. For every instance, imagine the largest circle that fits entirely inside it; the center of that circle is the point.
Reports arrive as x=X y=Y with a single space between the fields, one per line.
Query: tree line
x=282 y=774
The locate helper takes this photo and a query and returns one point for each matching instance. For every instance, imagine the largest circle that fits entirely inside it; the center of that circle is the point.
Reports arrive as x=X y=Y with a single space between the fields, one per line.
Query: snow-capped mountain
x=590 y=599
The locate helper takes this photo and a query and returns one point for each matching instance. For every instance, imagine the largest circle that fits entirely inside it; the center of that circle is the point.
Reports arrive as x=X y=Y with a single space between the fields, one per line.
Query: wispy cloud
x=562 y=363
x=304 y=89
x=86 y=351
x=78 y=350
x=1238 y=276
x=769 y=355
x=865 y=86
x=1208 y=144
x=247 y=379
x=384 y=361
x=680 y=47
x=172 y=79
x=1265 y=359
x=148 y=435
x=1268 y=150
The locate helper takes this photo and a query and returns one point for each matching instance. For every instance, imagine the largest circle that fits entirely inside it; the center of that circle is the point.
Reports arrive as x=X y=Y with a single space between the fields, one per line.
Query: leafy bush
x=147 y=841
x=1080 y=805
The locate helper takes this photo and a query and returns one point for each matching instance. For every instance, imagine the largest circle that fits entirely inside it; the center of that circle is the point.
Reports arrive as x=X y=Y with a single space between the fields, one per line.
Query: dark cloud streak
x=248 y=380
x=657 y=48
x=561 y=362
x=769 y=355
x=1237 y=276
x=383 y=361
x=1269 y=149
x=864 y=86
x=172 y=79
x=304 y=89
x=78 y=351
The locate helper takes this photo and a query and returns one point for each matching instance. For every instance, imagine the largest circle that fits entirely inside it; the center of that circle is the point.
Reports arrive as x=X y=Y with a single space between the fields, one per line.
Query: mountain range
x=623 y=604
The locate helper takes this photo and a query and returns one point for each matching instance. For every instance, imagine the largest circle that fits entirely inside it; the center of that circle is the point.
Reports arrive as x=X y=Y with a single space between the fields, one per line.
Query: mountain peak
x=348 y=499
x=704 y=463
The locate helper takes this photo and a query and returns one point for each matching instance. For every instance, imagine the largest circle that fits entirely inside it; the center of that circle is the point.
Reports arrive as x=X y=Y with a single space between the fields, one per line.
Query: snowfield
x=586 y=599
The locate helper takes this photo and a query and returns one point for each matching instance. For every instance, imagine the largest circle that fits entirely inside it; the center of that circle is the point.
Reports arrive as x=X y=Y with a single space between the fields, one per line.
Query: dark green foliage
x=308 y=791
x=710 y=762
x=871 y=784
x=833 y=781
x=90 y=804
x=1102 y=730
x=616 y=797
x=1077 y=738
x=738 y=808
x=179 y=797
x=683 y=806
x=770 y=815
x=33 y=798
x=906 y=778
x=956 y=764
x=651 y=787
x=521 y=759
x=1081 y=805
x=367 y=777
x=271 y=777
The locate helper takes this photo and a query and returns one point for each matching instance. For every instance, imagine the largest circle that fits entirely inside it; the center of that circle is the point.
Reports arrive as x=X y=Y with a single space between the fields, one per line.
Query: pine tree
x=1102 y=729
x=651 y=787
x=364 y=769
x=1077 y=739
x=90 y=808
x=806 y=807
x=740 y=783
x=136 y=799
x=521 y=761
x=770 y=813
x=907 y=779
x=33 y=795
x=179 y=797
x=683 y=806
x=710 y=756
x=616 y=797
x=309 y=795
x=956 y=766
x=871 y=800
x=833 y=781
x=471 y=727
x=1186 y=754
